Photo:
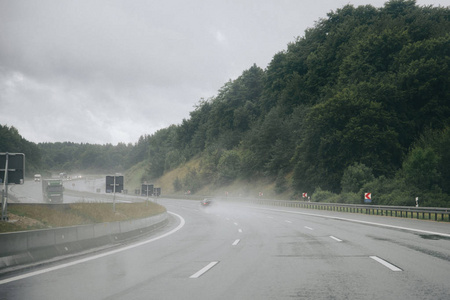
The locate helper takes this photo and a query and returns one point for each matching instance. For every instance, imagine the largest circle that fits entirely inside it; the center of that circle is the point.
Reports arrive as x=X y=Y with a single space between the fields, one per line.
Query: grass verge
x=33 y=216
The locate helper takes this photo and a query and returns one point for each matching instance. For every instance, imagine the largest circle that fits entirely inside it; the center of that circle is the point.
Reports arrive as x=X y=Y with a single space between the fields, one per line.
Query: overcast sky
x=110 y=71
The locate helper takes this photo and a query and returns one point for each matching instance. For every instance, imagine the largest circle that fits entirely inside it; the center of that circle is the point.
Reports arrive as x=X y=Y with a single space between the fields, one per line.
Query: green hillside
x=359 y=102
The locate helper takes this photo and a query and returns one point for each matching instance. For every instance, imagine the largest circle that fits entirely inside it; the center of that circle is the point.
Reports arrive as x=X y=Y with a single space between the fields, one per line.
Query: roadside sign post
x=367 y=197
x=13 y=173
x=147 y=189
x=114 y=184
x=156 y=193
x=5 y=191
x=114 y=195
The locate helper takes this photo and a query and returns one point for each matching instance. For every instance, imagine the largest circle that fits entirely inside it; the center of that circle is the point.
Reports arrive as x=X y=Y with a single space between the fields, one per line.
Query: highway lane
x=31 y=191
x=241 y=252
x=86 y=189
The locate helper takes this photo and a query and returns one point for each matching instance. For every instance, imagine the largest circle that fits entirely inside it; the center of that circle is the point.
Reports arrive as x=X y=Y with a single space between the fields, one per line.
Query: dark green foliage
x=420 y=169
x=177 y=185
x=228 y=167
x=192 y=182
x=355 y=176
x=70 y=157
x=324 y=196
x=281 y=184
x=359 y=104
x=346 y=129
x=11 y=141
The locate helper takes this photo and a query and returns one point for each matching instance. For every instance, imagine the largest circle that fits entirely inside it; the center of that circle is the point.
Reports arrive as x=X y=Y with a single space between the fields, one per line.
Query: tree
x=177 y=185
x=229 y=166
x=340 y=131
x=420 y=168
x=192 y=180
x=355 y=176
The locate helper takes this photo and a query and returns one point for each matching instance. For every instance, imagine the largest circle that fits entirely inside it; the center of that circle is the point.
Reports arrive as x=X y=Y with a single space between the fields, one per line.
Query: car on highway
x=206 y=202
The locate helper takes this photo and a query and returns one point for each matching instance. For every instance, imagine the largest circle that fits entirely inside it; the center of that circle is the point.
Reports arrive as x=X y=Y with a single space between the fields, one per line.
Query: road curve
x=238 y=252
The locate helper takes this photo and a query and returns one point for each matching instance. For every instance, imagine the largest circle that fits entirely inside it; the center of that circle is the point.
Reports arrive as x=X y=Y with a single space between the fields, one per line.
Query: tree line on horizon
x=359 y=103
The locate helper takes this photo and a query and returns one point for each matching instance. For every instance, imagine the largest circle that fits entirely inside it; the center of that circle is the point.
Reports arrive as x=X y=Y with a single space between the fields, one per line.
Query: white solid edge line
x=356 y=221
x=76 y=262
x=335 y=238
x=204 y=269
x=308 y=228
x=386 y=264
x=236 y=242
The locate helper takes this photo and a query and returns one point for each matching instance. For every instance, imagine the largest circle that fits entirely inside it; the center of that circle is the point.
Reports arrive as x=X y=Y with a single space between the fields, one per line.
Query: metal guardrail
x=427 y=213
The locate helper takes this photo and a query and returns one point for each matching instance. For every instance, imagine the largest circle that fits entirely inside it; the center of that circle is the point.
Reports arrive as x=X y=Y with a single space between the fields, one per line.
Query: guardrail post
x=402 y=212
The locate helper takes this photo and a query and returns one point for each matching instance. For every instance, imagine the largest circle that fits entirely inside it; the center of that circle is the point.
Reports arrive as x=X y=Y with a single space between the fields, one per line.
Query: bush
x=177 y=185
x=228 y=166
x=192 y=181
x=350 y=198
x=324 y=196
x=280 y=183
x=355 y=176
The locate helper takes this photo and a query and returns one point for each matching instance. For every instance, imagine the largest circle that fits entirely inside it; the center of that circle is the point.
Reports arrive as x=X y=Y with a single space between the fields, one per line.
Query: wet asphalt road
x=240 y=252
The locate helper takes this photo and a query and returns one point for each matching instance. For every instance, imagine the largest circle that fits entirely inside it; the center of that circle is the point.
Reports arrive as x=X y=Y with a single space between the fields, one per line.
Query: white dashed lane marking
x=204 y=270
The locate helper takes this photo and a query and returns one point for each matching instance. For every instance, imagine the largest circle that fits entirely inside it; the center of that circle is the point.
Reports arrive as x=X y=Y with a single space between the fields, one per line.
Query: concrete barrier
x=24 y=247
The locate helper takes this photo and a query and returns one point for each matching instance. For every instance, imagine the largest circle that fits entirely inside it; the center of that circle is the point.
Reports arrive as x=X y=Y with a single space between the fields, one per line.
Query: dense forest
x=360 y=102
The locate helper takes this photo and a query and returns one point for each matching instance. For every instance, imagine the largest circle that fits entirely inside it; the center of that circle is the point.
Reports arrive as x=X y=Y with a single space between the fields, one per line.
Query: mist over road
x=230 y=251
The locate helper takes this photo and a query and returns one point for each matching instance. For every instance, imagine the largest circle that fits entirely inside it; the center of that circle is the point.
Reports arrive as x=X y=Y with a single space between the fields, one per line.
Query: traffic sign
x=15 y=165
x=305 y=195
x=12 y=171
x=114 y=184
x=367 y=197
x=147 y=189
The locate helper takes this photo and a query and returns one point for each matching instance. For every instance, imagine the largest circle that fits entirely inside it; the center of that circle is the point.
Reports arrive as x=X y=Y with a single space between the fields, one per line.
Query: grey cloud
x=108 y=71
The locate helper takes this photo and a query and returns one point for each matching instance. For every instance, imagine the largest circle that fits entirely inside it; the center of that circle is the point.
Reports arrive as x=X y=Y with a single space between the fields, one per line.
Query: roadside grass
x=32 y=216
x=133 y=177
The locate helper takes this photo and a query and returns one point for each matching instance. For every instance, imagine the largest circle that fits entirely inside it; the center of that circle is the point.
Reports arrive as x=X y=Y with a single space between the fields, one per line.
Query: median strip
x=89 y=258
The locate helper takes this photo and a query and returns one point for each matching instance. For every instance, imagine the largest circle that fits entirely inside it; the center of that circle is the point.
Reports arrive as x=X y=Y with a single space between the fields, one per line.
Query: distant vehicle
x=52 y=190
x=37 y=177
x=63 y=175
x=206 y=202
